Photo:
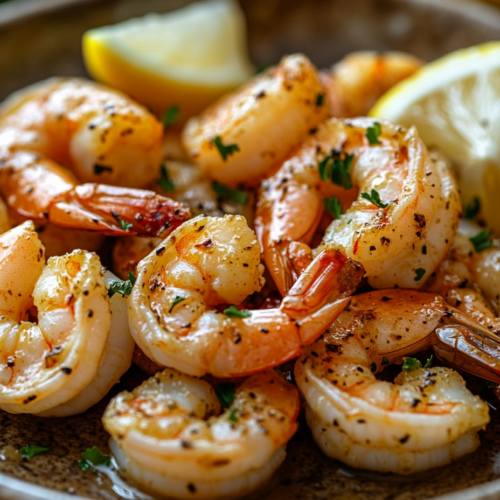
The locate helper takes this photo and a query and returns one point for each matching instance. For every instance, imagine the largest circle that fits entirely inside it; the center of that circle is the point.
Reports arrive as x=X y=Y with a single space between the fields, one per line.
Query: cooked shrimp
x=470 y=280
x=355 y=83
x=47 y=364
x=101 y=134
x=4 y=217
x=211 y=261
x=116 y=360
x=406 y=234
x=264 y=120
x=69 y=122
x=427 y=417
x=171 y=436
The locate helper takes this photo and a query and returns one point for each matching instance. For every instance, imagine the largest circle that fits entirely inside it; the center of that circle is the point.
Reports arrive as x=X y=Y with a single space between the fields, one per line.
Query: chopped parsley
x=32 y=450
x=319 y=99
x=374 y=198
x=411 y=364
x=472 y=208
x=373 y=367
x=481 y=241
x=234 y=312
x=385 y=361
x=225 y=392
x=335 y=167
x=419 y=273
x=165 y=182
x=231 y=194
x=99 y=169
x=225 y=150
x=232 y=415
x=372 y=133
x=92 y=457
x=125 y=226
x=333 y=206
x=124 y=288
x=176 y=301
x=170 y=116
x=492 y=385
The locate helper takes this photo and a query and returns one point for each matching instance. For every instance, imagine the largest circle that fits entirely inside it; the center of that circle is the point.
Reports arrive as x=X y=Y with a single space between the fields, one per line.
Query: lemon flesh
x=186 y=58
x=455 y=104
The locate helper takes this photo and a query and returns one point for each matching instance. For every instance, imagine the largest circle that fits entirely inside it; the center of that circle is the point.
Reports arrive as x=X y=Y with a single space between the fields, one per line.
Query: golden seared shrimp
x=48 y=364
x=260 y=123
x=355 y=83
x=101 y=134
x=211 y=261
x=427 y=417
x=399 y=234
x=4 y=217
x=171 y=436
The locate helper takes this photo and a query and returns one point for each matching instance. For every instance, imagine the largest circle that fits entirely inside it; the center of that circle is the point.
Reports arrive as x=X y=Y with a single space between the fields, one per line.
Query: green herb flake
x=132 y=278
x=176 y=301
x=335 y=167
x=320 y=99
x=428 y=362
x=231 y=194
x=373 y=133
x=411 y=364
x=93 y=457
x=472 y=208
x=124 y=288
x=225 y=150
x=32 y=450
x=333 y=206
x=225 y=392
x=492 y=385
x=125 y=226
x=165 y=182
x=374 y=198
x=234 y=312
x=373 y=367
x=419 y=273
x=170 y=116
x=385 y=361
x=232 y=415
x=481 y=241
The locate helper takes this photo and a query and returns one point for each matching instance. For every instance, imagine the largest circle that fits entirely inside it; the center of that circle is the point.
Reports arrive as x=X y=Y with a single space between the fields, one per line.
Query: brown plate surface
x=41 y=38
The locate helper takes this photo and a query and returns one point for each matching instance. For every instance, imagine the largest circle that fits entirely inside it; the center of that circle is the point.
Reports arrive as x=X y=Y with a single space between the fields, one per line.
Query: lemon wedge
x=455 y=104
x=186 y=58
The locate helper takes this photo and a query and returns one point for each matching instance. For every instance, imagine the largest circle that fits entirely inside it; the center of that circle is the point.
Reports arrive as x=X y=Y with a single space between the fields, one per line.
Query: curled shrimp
x=402 y=231
x=427 y=417
x=355 y=83
x=171 y=435
x=211 y=261
x=101 y=135
x=265 y=119
x=63 y=363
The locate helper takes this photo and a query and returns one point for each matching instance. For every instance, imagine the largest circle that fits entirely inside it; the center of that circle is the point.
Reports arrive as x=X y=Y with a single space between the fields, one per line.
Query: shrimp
x=102 y=135
x=264 y=120
x=82 y=125
x=354 y=84
x=171 y=436
x=47 y=365
x=211 y=261
x=427 y=417
x=404 y=233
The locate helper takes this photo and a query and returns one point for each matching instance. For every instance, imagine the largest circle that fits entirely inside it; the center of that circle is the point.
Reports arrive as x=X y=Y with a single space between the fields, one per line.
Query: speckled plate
x=41 y=38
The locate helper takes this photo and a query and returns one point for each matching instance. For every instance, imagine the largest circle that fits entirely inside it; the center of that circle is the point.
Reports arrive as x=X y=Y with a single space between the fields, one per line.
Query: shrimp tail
x=117 y=211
